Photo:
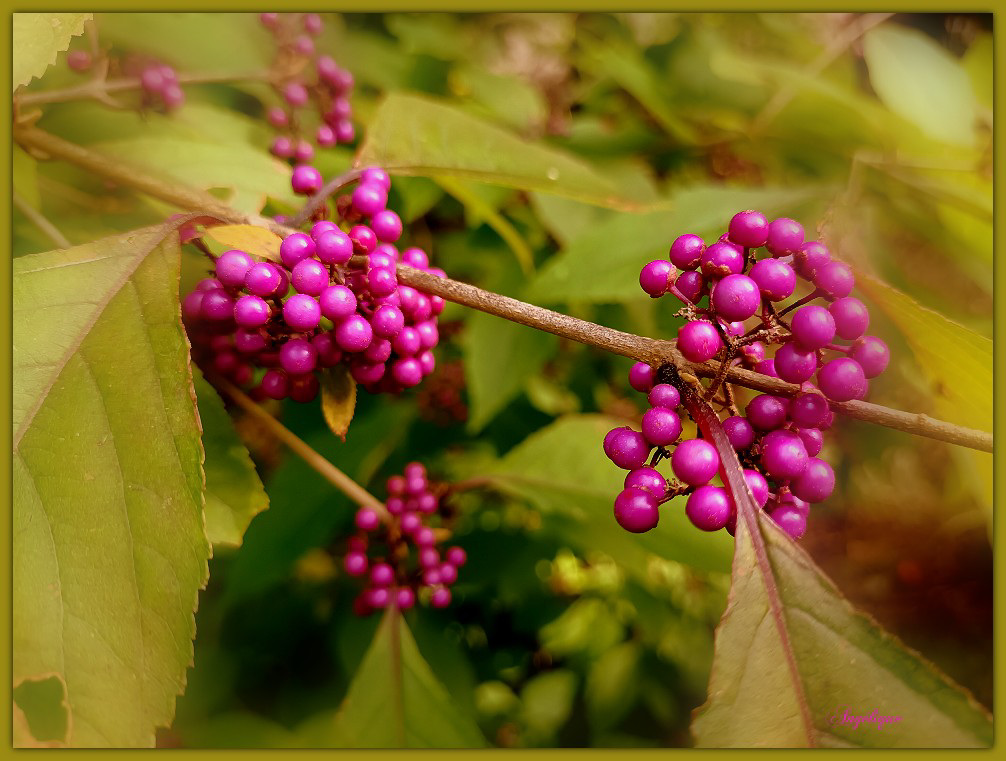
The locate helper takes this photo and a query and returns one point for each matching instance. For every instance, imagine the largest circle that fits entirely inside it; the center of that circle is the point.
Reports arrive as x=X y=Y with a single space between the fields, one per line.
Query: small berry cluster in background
x=312 y=310
x=79 y=61
x=326 y=91
x=160 y=86
x=731 y=298
x=398 y=559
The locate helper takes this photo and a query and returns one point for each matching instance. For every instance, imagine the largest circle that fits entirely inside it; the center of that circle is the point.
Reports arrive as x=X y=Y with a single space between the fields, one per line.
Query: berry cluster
x=79 y=61
x=159 y=83
x=328 y=92
x=398 y=558
x=313 y=310
x=731 y=297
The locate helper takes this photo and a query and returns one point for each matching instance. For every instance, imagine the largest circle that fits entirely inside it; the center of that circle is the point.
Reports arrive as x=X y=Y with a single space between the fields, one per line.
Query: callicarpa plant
x=299 y=460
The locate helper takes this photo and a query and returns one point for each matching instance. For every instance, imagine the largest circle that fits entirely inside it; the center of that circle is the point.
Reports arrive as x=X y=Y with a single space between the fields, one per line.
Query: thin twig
x=100 y=89
x=302 y=449
x=650 y=350
x=36 y=218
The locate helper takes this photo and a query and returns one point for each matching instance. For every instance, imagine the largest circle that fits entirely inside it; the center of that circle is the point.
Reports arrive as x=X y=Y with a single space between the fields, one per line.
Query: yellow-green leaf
x=251 y=239
x=338 y=399
x=39 y=38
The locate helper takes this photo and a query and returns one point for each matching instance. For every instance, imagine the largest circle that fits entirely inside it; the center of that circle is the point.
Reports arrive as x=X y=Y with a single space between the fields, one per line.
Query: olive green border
x=995 y=6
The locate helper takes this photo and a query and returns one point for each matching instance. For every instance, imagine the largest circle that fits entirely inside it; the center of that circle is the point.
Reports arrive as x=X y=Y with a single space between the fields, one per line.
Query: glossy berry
x=691 y=285
x=736 y=297
x=296 y=247
x=698 y=340
x=367 y=519
x=872 y=355
x=251 y=311
x=816 y=483
x=309 y=276
x=835 y=280
x=812 y=439
x=808 y=410
x=708 y=508
x=842 y=379
x=793 y=363
x=636 y=510
x=232 y=267
x=334 y=247
x=78 y=60
x=298 y=356
x=783 y=455
x=387 y=226
x=813 y=326
x=369 y=198
x=641 y=377
x=685 y=251
x=337 y=302
x=301 y=312
x=785 y=236
x=388 y=321
x=748 y=228
x=811 y=257
x=626 y=448
x=648 y=479
x=758 y=485
x=655 y=277
x=739 y=431
x=306 y=180
x=263 y=279
x=695 y=461
x=766 y=412
x=661 y=427
x=790 y=519
x=721 y=259
x=664 y=395
x=775 y=279
x=851 y=317
x=354 y=333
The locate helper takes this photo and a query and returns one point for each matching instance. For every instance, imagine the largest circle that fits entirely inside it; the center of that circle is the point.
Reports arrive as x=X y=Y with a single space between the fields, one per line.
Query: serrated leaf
x=563 y=471
x=338 y=398
x=921 y=82
x=794 y=660
x=39 y=38
x=234 y=493
x=251 y=239
x=602 y=263
x=416 y=135
x=395 y=701
x=110 y=549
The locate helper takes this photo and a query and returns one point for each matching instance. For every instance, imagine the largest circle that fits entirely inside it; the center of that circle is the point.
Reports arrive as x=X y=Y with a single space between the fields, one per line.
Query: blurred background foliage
x=565 y=630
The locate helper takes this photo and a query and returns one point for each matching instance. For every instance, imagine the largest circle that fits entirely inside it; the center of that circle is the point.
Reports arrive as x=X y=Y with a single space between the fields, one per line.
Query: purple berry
x=282 y=147
x=456 y=556
x=698 y=340
x=775 y=279
x=275 y=384
x=377 y=597
x=721 y=259
x=790 y=519
x=655 y=277
x=810 y=258
x=749 y=229
x=376 y=176
x=626 y=448
x=78 y=60
x=382 y=574
x=277 y=117
x=388 y=321
x=301 y=312
x=344 y=131
x=296 y=247
x=813 y=327
x=387 y=226
x=767 y=367
x=309 y=276
x=766 y=412
x=664 y=395
x=785 y=236
x=835 y=280
x=851 y=316
x=685 y=251
x=812 y=439
x=793 y=363
x=217 y=305
x=415 y=257
x=740 y=432
x=758 y=485
x=306 y=180
x=382 y=282
x=816 y=483
x=648 y=479
x=405 y=598
x=736 y=297
x=407 y=372
x=263 y=279
x=695 y=461
x=249 y=341
x=354 y=333
x=808 y=410
x=367 y=519
x=298 y=356
x=691 y=285
x=337 y=302
x=708 y=508
x=369 y=198
x=429 y=335
x=641 y=377
x=232 y=267
x=295 y=94
x=661 y=426
x=378 y=351
x=842 y=379
x=440 y=598
x=251 y=311
x=355 y=563
x=872 y=355
x=783 y=455
x=636 y=510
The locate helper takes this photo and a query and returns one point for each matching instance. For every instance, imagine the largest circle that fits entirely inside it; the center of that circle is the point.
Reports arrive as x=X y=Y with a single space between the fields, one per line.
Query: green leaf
x=978 y=62
x=111 y=549
x=338 y=399
x=563 y=471
x=500 y=356
x=416 y=135
x=250 y=174
x=612 y=685
x=509 y=100
x=841 y=658
x=564 y=219
x=234 y=492
x=25 y=177
x=395 y=701
x=920 y=81
x=251 y=239
x=602 y=264
x=39 y=38
x=548 y=701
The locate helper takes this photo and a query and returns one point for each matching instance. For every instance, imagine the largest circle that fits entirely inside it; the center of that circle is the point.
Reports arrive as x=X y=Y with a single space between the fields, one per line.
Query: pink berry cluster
x=398 y=558
x=313 y=310
x=326 y=91
x=159 y=83
x=734 y=306
x=79 y=61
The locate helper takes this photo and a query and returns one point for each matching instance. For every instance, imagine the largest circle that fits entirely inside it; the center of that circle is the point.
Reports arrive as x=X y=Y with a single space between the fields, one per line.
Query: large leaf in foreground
x=794 y=660
x=234 y=492
x=562 y=470
x=39 y=38
x=395 y=701
x=109 y=546
x=410 y=134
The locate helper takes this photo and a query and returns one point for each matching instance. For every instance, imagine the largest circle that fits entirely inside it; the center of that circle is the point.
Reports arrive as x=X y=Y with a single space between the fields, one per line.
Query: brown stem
x=302 y=449
x=100 y=89
x=650 y=350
